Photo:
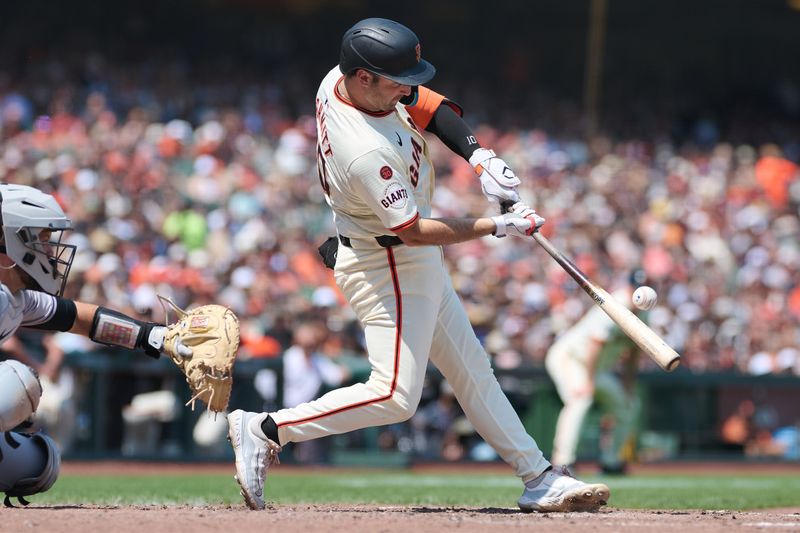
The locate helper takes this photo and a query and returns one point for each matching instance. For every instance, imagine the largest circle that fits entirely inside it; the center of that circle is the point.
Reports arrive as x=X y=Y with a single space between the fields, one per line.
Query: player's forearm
x=439 y=231
x=593 y=349
x=113 y=328
x=104 y=325
x=83 y=318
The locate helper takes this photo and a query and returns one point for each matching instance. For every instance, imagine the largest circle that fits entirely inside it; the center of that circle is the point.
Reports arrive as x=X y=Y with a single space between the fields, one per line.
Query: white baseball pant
x=410 y=312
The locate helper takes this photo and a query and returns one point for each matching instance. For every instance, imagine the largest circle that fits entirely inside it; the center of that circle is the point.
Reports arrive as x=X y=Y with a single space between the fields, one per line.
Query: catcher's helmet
x=385 y=48
x=28 y=217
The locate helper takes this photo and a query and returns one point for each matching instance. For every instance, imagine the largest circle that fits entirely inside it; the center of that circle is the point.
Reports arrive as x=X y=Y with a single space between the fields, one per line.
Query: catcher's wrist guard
x=118 y=329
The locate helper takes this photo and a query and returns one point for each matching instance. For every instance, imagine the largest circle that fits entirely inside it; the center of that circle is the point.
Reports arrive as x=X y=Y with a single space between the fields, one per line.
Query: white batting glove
x=526 y=211
x=520 y=221
x=498 y=181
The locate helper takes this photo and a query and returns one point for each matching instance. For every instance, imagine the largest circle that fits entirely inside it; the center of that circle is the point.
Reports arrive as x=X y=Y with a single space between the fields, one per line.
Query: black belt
x=385 y=241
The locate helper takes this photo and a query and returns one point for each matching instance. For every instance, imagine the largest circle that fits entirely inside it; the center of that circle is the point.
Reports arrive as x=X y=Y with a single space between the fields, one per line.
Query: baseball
x=644 y=297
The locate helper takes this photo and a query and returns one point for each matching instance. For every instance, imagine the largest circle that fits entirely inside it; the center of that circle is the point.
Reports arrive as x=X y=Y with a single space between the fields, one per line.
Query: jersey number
x=322 y=171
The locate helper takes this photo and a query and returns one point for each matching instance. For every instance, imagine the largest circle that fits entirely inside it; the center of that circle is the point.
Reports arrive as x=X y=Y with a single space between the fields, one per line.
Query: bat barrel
x=653 y=345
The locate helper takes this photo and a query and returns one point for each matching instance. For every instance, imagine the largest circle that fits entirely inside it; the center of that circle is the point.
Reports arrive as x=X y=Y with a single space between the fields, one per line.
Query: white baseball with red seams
x=644 y=298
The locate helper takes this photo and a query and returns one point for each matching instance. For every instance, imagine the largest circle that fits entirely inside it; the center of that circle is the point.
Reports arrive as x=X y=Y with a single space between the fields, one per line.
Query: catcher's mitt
x=212 y=333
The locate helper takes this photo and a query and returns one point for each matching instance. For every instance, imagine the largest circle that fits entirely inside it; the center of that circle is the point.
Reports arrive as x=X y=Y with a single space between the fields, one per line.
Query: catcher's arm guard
x=212 y=333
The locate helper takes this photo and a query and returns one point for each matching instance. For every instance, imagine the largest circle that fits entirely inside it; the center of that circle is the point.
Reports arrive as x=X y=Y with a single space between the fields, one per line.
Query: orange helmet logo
x=419 y=54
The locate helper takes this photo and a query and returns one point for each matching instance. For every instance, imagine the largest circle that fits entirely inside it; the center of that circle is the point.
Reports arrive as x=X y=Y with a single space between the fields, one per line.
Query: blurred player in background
x=378 y=178
x=582 y=364
x=34 y=265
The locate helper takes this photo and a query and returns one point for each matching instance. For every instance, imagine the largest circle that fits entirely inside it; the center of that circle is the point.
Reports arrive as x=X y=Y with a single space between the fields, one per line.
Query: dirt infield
x=388 y=519
x=355 y=518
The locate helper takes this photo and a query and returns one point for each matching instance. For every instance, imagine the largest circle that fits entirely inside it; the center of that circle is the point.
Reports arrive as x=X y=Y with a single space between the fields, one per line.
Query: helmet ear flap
x=411 y=99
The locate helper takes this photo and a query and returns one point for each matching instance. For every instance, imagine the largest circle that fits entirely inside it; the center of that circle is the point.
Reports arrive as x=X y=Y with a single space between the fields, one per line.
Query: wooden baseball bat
x=647 y=339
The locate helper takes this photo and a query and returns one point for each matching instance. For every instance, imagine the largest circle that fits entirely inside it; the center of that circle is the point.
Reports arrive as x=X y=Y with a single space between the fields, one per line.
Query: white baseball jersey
x=23 y=308
x=377 y=172
x=378 y=178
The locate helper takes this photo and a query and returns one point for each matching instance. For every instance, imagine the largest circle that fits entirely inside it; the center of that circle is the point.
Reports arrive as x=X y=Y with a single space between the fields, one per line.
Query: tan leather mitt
x=212 y=333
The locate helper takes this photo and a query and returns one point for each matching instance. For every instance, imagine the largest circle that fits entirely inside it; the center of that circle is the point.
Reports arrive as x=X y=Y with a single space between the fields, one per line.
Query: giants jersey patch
x=395 y=196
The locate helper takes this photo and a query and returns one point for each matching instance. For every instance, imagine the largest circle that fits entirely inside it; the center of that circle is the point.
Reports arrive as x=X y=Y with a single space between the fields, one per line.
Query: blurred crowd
x=206 y=190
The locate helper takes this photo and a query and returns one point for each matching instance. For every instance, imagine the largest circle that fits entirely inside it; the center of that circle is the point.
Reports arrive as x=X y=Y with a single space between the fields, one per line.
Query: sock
x=270 y=429
x=538 y=479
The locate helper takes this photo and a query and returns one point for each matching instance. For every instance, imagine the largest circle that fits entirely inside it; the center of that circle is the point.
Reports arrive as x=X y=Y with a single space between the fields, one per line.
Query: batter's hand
x=521 y=221
x=498 y=181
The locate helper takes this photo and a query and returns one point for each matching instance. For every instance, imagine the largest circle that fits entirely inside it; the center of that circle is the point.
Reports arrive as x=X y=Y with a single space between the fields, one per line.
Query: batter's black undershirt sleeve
x=453 y=131
x=63 y=318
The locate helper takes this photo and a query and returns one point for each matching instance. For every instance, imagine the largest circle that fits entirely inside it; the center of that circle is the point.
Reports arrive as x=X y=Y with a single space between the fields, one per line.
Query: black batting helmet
x=385 y=48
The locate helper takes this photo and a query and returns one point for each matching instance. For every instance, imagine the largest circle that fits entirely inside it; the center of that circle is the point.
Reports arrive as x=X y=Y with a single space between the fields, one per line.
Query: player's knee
x=29 y=464
x=401 y=403
x=21 y=393
x=400 y=409
x=582 y=402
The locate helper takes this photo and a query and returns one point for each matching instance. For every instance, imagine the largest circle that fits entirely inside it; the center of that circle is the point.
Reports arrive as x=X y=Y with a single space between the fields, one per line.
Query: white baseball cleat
x=254 y=456
x=558 y=491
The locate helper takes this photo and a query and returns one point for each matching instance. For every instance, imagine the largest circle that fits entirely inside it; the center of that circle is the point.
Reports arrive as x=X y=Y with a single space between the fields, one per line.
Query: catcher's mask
x=33 y=227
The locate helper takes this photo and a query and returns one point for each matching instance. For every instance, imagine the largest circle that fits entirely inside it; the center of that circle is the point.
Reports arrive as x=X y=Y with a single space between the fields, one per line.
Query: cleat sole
x=585 y=499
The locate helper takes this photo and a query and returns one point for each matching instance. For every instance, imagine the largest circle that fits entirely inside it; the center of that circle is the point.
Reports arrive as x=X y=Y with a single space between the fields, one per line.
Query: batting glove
x=521 y=221
x=498 y=181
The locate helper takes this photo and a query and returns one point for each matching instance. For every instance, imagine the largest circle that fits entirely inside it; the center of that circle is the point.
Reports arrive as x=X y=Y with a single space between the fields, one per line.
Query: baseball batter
x=581 y=363
x=376 y=172
x=34 y=265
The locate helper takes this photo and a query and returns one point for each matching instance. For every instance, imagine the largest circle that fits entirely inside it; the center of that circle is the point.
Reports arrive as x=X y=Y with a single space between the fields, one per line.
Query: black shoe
x=620 y=469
